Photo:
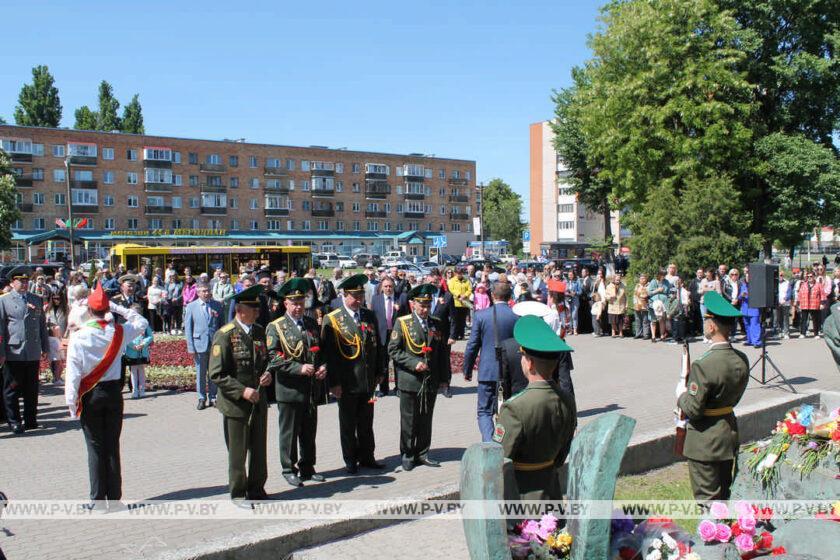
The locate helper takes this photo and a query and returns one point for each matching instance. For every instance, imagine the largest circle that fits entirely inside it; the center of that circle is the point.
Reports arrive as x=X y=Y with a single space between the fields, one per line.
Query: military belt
x=533 y=466
x=718 y=411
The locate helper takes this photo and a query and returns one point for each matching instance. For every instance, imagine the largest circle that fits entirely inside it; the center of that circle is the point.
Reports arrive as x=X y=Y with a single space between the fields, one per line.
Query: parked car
x=480 y=263
x=579 y=264
x=363 y=258
x=329 y=260
x=346 y=262
x=536 y=265
x=392 y=257
x=49 y=268
x=410 y=268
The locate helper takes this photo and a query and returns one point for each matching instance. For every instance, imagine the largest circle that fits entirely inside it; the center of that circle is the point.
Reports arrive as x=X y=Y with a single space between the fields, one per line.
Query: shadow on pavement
x=193 y=493
x=599 y=410
x=61 y=423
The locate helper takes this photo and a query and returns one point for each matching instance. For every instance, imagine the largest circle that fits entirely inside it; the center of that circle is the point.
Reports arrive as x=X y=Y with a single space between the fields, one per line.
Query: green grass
x=669 y=483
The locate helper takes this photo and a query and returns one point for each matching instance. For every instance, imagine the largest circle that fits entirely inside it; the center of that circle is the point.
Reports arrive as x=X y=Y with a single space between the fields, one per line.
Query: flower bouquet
x=652 y=539
x=540 y=540
x=748 y=529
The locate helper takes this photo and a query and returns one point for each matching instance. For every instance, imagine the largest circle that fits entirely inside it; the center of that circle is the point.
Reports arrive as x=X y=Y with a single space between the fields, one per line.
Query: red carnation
x=778 y=551
x=426 y=349
x=660 y=520
x=736 y=529
x=627 y=553
x=795 y=428
x=766 y=540
x=314 y=348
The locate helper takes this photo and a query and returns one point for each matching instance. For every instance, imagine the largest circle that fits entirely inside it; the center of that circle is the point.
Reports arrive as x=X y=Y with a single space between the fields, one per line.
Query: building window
x=290 y=225
x=214 y=200
x=377 y=168
x=304 y=185
x=108 y=177
x=234 y=182
x=131 y=178
x=37 y=174
x=108 y=200
x=155 y=223
x=272 y=225
x=468 y=175
x=193 y=180
x=254 y=183
x=566 y=225
x=306 y=205
x=387 y=226
x=176 y=223
x=339 y=206
x=339 y=186
x=131 y=155
x=133 y=202
x=290 y=164
x=214 y=224
x=176 y=202
x=255 y=225
x=442 y=227
x=234 y=202
x=233 y=161
x=441 y=173
x=339 y=225
x=213 y=159
x=193 y=158
x=59 y=175
x=195 y=223
x=307 y=226
x=428 y=226
x=304 y=165
x=455 y=226
x=157 y=154
x=234 y=224
x=38 y=198
x=109 y=223
x=399 y=208
x=322 y=225
x=252 y=162
x=456 y=174
x=18 y=224
x=566 y=208
x=357 y=168
x=107 y=153
x=38 y=223
x=273 y=163
x=84 y=197
x=83 y=150
x=37 y=149
x=356 y=207
x=415 y=188
x=58 y=150
x=442 y=210
x=339 y=168
x=176 y=157
x=193 y=202
x=177 y=180
x=60 y=199
x=252 y=204
x=357 y=187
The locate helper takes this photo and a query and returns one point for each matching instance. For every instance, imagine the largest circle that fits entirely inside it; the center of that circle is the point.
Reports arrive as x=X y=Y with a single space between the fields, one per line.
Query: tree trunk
x=607 y=229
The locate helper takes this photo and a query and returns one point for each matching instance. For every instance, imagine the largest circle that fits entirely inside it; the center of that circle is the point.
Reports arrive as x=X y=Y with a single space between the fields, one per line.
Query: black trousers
x=298 y=423
x=461 y=314
x=816 y=320
x=416 y=424
x=102 y=416
x=20 y=379
x=385 y=359
x=355 y=421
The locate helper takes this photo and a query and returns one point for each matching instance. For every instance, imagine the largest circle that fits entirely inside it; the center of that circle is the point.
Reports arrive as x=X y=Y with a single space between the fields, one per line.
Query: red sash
x=111 y=353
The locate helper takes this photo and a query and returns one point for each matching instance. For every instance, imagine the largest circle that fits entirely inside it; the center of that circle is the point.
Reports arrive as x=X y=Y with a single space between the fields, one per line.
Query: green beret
x=20 y=273
x=294 y=288
x=537 y=339
x=249 y=296
x=355 y=283
x=719 y=308
x=423 y=292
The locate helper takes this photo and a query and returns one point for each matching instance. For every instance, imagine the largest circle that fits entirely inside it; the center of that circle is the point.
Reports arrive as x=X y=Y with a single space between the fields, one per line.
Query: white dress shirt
x=87 y=347
x=246 y=328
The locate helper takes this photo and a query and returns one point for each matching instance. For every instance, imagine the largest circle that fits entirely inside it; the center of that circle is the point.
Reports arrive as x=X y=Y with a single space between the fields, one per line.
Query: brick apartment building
x=162 y=190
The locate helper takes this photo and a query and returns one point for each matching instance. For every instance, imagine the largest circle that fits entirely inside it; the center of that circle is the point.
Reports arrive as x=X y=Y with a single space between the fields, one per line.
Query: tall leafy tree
x=86 y=119
x=9 y=212
x=108 y=118
x=38 y=102
x=132 y=119
x=502 y=208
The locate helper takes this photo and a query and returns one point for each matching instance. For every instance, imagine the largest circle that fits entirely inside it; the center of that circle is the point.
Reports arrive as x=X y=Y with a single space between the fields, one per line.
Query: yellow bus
x=206 y=259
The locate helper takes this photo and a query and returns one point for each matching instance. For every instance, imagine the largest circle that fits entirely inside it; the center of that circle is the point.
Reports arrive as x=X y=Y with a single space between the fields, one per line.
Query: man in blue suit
x=202 y=319
x=483 y=340
x=387 y=307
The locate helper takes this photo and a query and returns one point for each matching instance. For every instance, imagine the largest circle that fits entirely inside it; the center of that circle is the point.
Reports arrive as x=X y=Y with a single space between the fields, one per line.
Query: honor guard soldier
x=349 y=345
x=418 y=349
x=23 y=340
x=93 y=387
x=297 y=363
x=536 y=425
x=238 y=363
x=715 y=384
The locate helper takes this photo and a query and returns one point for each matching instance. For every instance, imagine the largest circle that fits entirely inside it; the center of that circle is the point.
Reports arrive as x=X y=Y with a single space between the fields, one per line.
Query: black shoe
x=34 y=426
x=200 y=405
x=428 y=462
x=407 y=464
x=293 y=479
x=447 y=392
x=16 y=429
x=313 y=476
x=351 y=469
x=372 y=464
x=259 y=496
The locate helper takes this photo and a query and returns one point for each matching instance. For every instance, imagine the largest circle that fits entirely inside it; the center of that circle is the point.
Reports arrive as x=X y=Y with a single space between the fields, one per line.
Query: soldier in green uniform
x=238 y=361
x=349 y=346
x=418 y=349
x=536 y=425
x=293 y=343
x=715 y=384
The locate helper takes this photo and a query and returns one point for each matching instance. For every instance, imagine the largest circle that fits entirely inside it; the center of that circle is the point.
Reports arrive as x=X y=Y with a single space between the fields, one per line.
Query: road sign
x=439 y=241
x=526 y=235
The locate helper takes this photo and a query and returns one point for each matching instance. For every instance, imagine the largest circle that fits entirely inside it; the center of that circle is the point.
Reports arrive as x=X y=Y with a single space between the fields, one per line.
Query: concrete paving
x=172 y=451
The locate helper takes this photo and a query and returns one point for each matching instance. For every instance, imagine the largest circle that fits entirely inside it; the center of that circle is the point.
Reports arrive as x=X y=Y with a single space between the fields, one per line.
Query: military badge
x=216 y=350
x=270 y=340
x=498 y=433
x=693 y=388
x=394 y=335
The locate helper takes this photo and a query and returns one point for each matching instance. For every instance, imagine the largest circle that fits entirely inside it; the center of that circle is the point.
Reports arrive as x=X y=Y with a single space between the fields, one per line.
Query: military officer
x=23 y=341
x=297 y=363
x=128 y=291
x=418 y=348
x=715 y=384
x=349 y=340
x=238 y=361
x=536 y=425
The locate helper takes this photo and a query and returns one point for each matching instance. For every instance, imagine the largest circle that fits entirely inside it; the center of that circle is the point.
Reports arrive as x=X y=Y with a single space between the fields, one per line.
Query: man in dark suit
x=387 y=307
x=443 y=309
x=484 y=338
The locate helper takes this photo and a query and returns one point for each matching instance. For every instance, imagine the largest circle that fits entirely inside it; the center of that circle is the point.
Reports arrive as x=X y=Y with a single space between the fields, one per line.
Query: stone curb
x=648 y=451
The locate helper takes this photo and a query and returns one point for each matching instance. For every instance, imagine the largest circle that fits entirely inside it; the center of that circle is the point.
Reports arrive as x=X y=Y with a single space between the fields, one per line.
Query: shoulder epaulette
x=227 y=328
x=334 y=312
x=404 y=318
x=276 y=322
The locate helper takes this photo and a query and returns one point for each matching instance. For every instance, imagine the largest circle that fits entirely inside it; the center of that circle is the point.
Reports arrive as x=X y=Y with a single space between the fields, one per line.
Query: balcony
x=20 y=158
x=25 y=206
x=322 y=172
x=325 y=210
x=459 y=216
x=414 y=175
x=377 y=189
x=85 y=208
x=459 y=198
x=276 y=212
x=376 y=177
x=83 y=184
x=323 y=192
x=205 y=187
x=375 y=214
x=212 y=167
x=458 y=182
x=415 y=196
x=275 y=171
x=158 y=210
x=82 y=160
x=214 y=210
x=414 y=214
x=159 y=187
x=157 y=164
x=24 y=180
x=282 y=188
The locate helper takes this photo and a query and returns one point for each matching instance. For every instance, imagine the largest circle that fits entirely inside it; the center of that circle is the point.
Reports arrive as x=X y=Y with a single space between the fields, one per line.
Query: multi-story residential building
x=161 y=190
x=560 y=226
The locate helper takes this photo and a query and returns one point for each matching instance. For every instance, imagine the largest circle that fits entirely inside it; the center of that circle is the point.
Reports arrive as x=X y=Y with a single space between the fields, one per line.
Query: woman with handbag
x=598 y=296
x=137 y=356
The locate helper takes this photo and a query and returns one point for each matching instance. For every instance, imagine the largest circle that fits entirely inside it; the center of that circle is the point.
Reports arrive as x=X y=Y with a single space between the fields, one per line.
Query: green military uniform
x=413 y=341
x=291 y=344
x=237 y=360
x=536 y=426
x=715 y=384
x=349 y=347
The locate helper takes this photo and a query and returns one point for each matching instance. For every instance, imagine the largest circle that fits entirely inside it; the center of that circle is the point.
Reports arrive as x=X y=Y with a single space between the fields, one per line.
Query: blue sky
x=457 y=79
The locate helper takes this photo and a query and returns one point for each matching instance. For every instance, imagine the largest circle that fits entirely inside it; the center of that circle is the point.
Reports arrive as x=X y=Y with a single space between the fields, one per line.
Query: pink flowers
x=707 y=530
x=723 y=532
x=719 y=510
x=744 y=542
x=747 y=523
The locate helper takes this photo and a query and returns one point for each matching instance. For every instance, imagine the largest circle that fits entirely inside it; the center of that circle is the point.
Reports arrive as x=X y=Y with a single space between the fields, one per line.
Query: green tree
x=86 y=119
x=9 y=212
x=132 y=119
x=502 y=208
x=38 y=102
x=107 y=117
x=2 y=120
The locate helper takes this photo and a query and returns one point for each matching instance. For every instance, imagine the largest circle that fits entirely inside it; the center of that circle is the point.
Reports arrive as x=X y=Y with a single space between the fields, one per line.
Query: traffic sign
x=439 y=241
x=526 y=235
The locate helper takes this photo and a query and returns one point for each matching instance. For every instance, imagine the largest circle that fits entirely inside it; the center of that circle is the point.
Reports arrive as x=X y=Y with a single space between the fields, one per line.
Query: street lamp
x=69 y=210
x=481 y=215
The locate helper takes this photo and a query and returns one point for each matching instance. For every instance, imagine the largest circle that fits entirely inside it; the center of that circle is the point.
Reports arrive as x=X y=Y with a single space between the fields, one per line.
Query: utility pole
x=69 y=211
x=481 y=217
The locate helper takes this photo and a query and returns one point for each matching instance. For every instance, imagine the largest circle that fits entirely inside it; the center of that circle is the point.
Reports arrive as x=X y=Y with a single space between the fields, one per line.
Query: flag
x=81 y=223
x=60 y=223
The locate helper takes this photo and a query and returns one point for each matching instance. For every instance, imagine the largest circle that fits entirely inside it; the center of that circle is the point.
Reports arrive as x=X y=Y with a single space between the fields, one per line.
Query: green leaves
x=85 y=119
x=132 y=119
x=38 y=102
x=106 y=119
x=502 y=207
x=9 y=212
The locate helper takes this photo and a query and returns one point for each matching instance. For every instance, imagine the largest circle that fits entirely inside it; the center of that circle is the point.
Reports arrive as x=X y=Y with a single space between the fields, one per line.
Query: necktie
x=356 y=317
x=207 y=311
x=389 y=312
x=300 y=324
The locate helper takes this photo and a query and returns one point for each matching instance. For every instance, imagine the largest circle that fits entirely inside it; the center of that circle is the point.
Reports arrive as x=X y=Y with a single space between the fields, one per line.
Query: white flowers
x=768 y=461
x=654 y=554
x=669 y=541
